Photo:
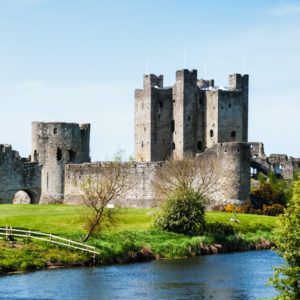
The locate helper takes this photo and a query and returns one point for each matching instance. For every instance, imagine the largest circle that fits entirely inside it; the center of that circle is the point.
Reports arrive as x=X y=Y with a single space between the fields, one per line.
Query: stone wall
x=232 y=175
x=141 y=193
x=18 y=174
x=233 y=170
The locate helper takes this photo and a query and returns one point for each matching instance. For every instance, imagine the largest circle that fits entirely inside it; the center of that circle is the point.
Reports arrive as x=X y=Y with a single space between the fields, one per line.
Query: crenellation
x=152 y=80
x=205 y=84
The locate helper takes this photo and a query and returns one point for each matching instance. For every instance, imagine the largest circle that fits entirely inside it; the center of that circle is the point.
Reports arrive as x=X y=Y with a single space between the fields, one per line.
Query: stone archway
x=23 y=197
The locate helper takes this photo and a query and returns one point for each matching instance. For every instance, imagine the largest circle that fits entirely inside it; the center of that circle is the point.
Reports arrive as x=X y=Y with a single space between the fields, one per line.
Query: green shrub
x=273 y=191
x=182 y=212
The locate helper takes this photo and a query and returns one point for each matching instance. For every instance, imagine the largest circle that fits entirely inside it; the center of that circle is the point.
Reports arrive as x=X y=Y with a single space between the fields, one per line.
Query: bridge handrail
x=9 y=231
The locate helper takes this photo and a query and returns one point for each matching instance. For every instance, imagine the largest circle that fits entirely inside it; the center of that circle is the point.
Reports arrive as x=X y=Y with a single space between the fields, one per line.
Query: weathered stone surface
x=232 y=175
x=18 y=174
x=54 y=145
x=188 y=117
x=282 y=165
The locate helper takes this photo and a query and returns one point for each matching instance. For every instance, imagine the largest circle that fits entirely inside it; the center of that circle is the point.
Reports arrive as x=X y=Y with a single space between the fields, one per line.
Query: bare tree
x=110 y=183
x=191 y=173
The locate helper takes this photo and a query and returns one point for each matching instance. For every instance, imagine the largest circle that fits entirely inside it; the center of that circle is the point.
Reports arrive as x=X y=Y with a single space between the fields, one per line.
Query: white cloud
x=284 y=9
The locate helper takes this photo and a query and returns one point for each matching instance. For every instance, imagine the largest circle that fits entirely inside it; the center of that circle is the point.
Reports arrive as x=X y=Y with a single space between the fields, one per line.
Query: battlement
x=238 y=82
x=189 y=76
x=205 y=84
x=152 y=80
x=6 y=150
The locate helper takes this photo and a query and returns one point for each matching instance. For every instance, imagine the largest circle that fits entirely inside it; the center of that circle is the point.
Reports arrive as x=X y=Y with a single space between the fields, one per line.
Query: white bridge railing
x=10 y=232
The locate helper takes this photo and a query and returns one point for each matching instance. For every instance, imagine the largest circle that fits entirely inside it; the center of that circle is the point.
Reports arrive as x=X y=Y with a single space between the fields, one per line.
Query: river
x=224 y=276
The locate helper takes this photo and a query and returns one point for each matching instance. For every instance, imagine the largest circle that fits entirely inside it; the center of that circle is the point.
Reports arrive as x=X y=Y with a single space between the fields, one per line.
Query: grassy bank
x=133 y=238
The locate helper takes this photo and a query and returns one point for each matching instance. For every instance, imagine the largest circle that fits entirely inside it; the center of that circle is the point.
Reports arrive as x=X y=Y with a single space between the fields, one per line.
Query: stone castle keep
x=192 y=116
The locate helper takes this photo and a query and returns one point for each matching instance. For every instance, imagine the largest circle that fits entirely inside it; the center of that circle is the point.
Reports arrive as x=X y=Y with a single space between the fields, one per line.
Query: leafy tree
x=287 y=239
x=182 y=212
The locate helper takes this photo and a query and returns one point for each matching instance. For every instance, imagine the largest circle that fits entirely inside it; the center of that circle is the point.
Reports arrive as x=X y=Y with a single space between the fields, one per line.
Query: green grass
x=66 y=219
x=134 y=233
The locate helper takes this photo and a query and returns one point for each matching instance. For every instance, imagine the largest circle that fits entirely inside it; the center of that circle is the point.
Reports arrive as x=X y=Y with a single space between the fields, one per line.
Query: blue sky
x=80 y=61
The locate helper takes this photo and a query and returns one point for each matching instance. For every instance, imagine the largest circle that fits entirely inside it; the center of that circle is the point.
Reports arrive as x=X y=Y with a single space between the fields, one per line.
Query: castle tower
x=187 y=115
x=153 y=120
x=53 y=146
x=227 y=112
x=240 y=83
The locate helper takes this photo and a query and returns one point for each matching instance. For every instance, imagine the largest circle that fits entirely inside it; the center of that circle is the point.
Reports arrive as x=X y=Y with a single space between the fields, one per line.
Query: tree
x=287 y=239
x=110 y=183
x=189 y=174
x=185 y=186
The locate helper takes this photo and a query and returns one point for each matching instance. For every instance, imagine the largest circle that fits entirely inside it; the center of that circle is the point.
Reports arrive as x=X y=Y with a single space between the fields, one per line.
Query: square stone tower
x=227 y=112
x=153 y=120
x=188 y=117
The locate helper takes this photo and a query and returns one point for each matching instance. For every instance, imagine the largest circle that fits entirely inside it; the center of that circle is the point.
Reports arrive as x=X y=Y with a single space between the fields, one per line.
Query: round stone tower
x=54 y=145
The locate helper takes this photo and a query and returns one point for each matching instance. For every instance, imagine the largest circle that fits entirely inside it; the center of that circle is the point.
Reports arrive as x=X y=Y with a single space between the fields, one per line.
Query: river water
x=223 y=276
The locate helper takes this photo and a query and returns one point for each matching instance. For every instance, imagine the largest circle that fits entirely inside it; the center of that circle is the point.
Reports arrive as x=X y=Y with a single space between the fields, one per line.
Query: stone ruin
x=191 y=117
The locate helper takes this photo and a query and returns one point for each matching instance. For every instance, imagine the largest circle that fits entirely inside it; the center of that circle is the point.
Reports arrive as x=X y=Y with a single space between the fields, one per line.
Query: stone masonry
x=232 y=176
x=280 y=164
x=53 y=146
x=188 y=117
x=18 y=174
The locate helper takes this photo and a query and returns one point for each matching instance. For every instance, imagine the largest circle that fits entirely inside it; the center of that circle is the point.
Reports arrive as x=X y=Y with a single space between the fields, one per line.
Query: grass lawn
x=67 y=219
x=134 y=233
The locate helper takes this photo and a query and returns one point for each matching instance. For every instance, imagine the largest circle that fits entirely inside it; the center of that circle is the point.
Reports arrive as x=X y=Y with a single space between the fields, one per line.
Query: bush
x=273 y=191
x=182 y=212
x=287 y=277
x=248 y=208
x=273 y=210
x=231 y=208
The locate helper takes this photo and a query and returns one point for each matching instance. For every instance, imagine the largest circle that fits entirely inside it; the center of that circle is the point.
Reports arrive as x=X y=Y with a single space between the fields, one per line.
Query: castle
x=193 y=116
x=188 y=117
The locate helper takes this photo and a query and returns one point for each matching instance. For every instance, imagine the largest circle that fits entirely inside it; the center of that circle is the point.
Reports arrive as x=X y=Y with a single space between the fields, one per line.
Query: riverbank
x=132 y=239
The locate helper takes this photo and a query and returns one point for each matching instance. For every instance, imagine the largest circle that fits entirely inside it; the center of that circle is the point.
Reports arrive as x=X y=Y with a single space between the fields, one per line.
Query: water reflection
x=228 y=276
